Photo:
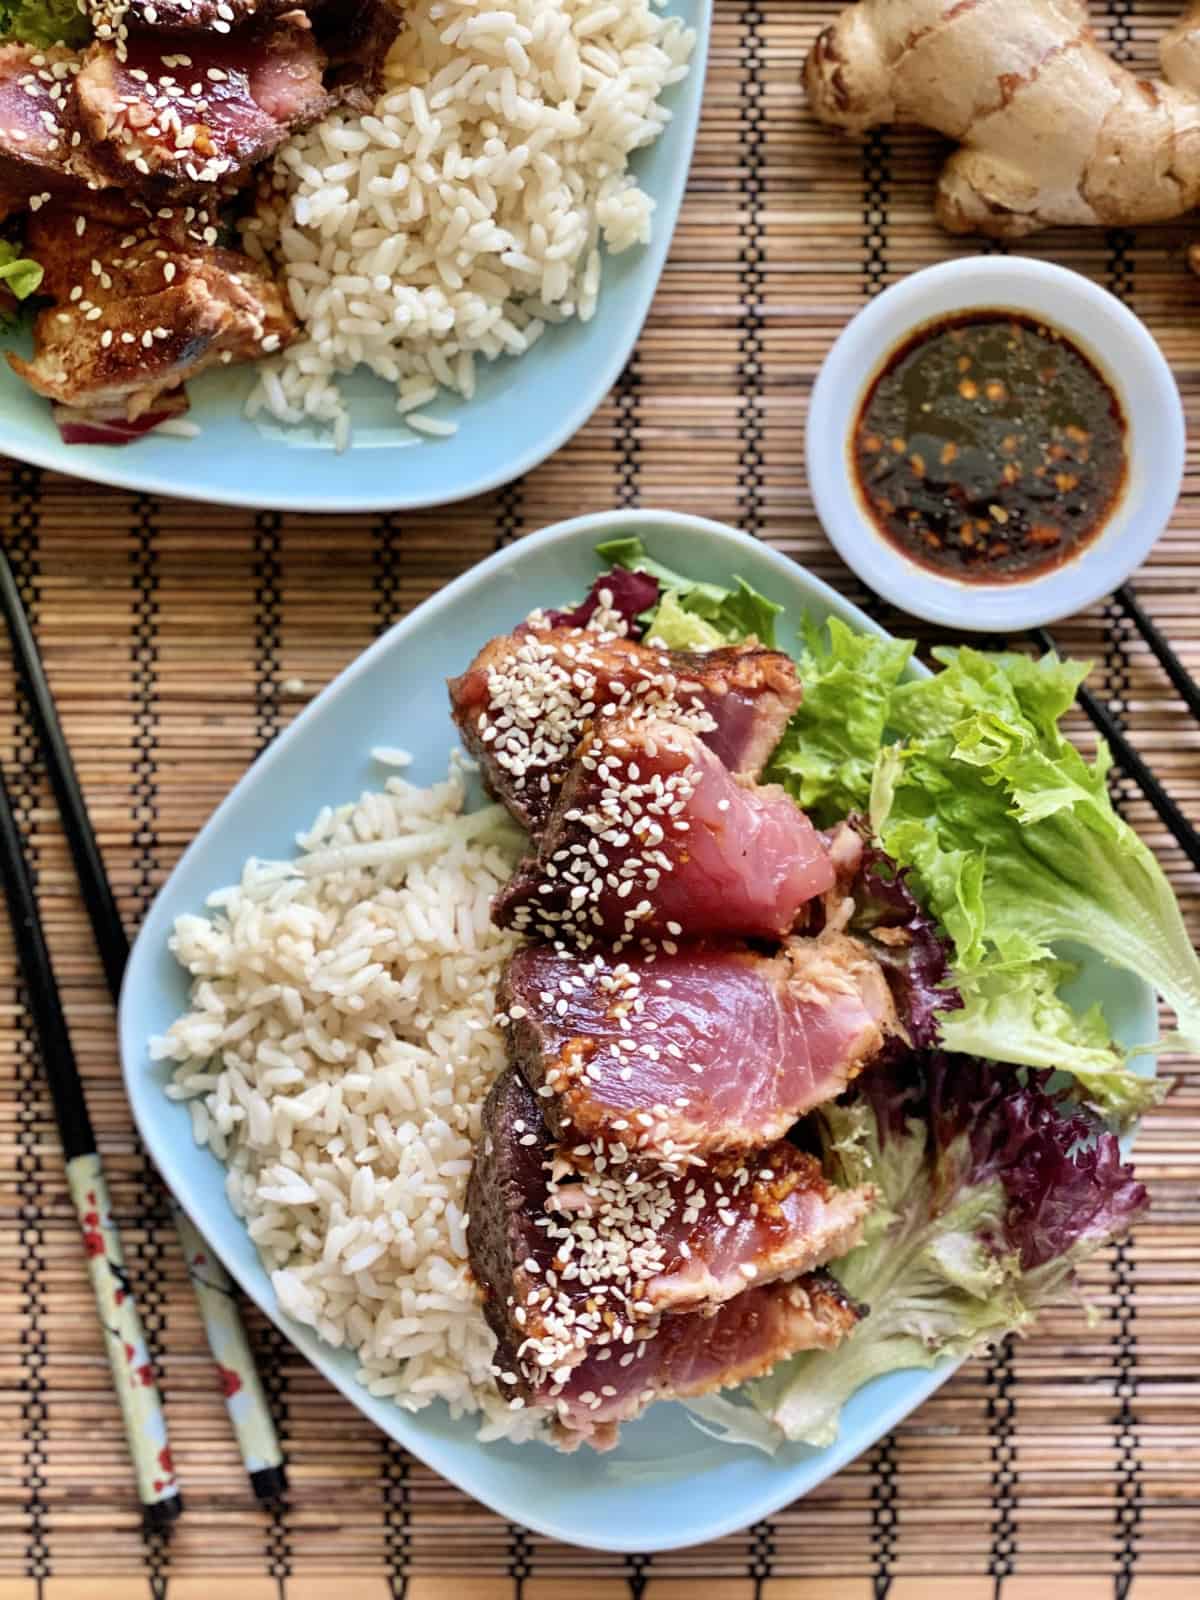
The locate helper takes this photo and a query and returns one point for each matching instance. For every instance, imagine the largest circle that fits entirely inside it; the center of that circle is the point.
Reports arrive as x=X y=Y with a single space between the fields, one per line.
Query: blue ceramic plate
x=523 y=409
x=395 y=694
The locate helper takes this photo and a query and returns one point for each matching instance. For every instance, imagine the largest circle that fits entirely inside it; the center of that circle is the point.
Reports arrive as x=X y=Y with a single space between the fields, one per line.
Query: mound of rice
x=336 y=1056
x=467 y=210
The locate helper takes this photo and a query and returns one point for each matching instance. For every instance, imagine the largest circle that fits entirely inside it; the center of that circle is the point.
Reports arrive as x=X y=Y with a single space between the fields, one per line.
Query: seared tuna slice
x=596 y=1257
x=697 y=1354
x=34 y=143
x=705 y=1050
x=183 y=111
x=200 y=16
x=137 y=313
x=527 y=698
x=653 y=839
x=355 y=35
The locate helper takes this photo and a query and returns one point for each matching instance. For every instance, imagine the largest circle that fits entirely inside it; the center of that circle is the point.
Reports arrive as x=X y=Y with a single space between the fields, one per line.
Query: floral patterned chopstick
x=245 y=1401
x=124 y=1340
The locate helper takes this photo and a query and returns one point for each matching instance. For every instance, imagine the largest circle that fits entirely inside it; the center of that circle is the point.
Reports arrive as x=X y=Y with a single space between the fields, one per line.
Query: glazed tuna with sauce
x=653 y=840
x=705 y=1050
x=113 y=18
x=699 y=1354
x=169 y=114
x=355 y=35
x=34 y=143
x=572 y=1259
x=137 y=312
x=528 y=697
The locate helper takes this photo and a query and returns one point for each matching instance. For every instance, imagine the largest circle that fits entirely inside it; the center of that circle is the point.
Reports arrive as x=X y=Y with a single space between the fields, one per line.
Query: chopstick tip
x=269 y=1484
x=161 y=1515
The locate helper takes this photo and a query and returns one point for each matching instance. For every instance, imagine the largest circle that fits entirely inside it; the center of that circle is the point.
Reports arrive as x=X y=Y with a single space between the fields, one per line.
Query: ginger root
x=1052 y=129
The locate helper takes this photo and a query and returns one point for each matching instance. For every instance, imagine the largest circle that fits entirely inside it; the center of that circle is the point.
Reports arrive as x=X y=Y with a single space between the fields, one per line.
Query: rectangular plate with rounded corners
x=523 y=409
x=667 y=1484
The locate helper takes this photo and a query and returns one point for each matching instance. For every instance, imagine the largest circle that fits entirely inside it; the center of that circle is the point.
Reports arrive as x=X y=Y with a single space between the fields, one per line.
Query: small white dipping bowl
x=1126 y=356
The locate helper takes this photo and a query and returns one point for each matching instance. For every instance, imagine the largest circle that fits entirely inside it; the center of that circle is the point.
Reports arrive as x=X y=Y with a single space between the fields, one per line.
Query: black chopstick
x=107 y=927
x=124 y=1339
x=1186 y=837
x=246 y=1401
x=1184 y=684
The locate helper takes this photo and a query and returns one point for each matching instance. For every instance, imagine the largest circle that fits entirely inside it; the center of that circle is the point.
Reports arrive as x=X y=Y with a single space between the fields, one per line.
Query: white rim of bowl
x=1127 y=355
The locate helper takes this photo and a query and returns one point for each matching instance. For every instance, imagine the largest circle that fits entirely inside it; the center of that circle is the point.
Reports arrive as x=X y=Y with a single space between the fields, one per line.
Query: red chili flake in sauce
x=990 y=447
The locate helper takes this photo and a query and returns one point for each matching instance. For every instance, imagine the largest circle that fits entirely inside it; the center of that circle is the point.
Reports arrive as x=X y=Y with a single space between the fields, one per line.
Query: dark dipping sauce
x=990 y=447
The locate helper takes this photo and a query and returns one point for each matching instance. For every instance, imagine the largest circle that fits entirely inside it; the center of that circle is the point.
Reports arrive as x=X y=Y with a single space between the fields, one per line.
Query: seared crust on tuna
x=35 y=147
x=699 y=1354
x=177 y=113
x=528 y=697
x=154 y=313
x=572 y=1263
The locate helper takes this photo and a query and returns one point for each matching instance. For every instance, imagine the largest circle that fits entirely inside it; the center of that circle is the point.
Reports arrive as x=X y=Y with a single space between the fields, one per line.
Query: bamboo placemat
x=181 y=638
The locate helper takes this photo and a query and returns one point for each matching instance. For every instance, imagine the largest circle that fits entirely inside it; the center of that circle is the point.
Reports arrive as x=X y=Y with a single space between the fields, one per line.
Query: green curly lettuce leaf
x=1016 y=848
x=43 y=22
x=827 y=756
x=19 y=275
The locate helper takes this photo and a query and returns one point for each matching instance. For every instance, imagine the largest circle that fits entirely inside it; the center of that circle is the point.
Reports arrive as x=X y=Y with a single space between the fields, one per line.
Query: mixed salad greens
x=991 y=1190
x=993 y=1143
x=20 y=276
x=43 y=22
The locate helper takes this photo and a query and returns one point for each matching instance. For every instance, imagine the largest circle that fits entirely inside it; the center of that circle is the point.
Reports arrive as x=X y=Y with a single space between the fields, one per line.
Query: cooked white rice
x=336 y=1055
x=468 y=210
